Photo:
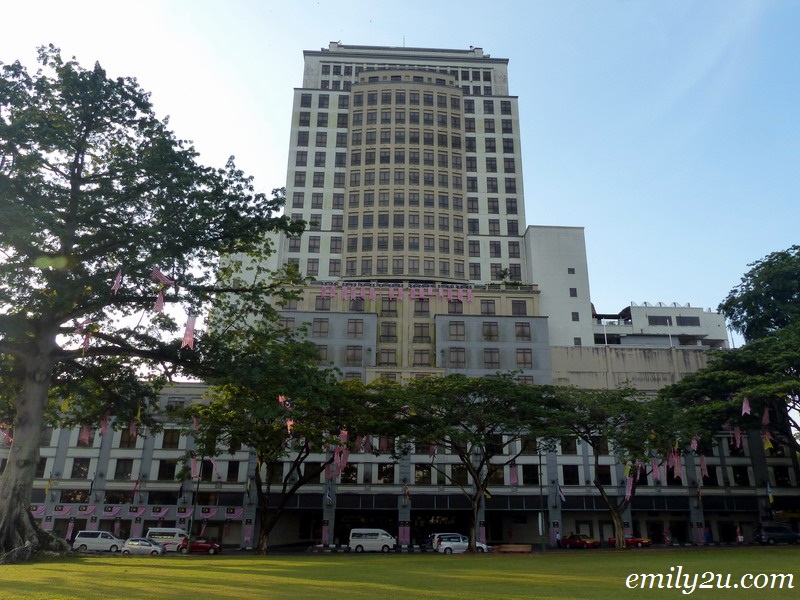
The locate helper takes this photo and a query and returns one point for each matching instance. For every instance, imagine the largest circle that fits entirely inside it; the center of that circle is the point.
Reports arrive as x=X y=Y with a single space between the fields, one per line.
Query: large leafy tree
x=480 y=421
x=768 y=297
x=91 y=184
x=634 y=428
x=763 y=375
x=268 y=394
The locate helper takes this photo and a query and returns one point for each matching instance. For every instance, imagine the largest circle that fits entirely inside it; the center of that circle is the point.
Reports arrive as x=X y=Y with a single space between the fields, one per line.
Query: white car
x=142 y=546
x=455 y=543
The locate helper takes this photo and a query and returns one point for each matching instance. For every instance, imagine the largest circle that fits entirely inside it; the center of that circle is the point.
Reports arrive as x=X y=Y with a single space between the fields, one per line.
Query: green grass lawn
x=595 y=574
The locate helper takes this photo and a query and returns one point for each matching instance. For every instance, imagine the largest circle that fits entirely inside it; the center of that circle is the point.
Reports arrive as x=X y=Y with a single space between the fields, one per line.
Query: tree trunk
x=17 y=527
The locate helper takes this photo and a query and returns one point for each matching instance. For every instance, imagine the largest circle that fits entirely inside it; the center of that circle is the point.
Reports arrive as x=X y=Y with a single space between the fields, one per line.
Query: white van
x=371 y=540
x=169 y=537
x=97 y=541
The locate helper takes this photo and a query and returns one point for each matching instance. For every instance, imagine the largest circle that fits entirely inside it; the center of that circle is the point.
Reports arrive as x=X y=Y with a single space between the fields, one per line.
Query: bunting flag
x=368 y=443
x=694 y=443
x=213 y=462
x=699 y=493
x=48 y=486
x=767 y=439
x=195 y=423
x=188 y=334
x=421 y=292
x=745 y=406
x=561 y=495
x=737 y=436
x=460 y=294
x=135 y=487
x=343 y=436
x=432 y=449
x=157 y=275
x=677 y=467
x=83 y=436
x=769 y=493
x=400 y=293
x=282 y=400
x=7 y=439
x=372 y=293
x=117 y=282
x=407 y=492
x=628 y=488
x=469 y=294
x=289 y=426
x=513 y=478
x=449 y=294
x=656 y=476
x=65 y=405
x=441 y=292
x=765 y=417
x=703 y=466
x=159 y=305
x=104 y=423
x=363 y=292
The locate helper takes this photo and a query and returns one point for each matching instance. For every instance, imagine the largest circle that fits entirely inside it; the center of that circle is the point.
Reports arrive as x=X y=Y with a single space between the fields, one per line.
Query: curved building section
x=405 y=214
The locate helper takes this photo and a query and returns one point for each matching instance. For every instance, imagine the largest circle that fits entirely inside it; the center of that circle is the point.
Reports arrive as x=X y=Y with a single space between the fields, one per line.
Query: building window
x=388 y=331
x=456 y=331
x=487 y=307
x=171 y=439
x=321 y=303
x=687 y=321
x=656 y=320
x=524 y=358
x=422 y=358
x=576 y=316
x=491 y=358
x=457 y=358
x=422 y=332
x=320 y=328
x=127 y=439
x=522 y=332
x=455 y=307
x=80 y=468
x=387 y=357
x=322 y=354
x=576 y=341
x=519 y=308
x=353 y=356
x=571 y=474
x=491 y=331
x=124 y=469
x=421 y=307
x=573 y=293
x=166 y=470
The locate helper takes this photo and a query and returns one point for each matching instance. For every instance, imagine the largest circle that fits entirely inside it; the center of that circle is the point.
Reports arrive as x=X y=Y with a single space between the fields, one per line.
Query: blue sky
x=669 y=130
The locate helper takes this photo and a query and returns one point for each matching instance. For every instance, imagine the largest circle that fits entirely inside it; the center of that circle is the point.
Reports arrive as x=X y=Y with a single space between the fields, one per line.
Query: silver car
x=142 y=546
x=456 y=543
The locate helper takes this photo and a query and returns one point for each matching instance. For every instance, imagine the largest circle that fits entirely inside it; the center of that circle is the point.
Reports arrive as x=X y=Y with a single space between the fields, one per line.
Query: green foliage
x=91 y=182
x=768 y=297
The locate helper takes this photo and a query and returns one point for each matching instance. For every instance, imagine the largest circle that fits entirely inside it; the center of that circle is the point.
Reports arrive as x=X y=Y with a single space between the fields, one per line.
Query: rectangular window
x=519 y=308
x=171 y=439
x=522 y=331
x=524 y=358
x=355 y=328
x=487 y=307
x=491 y=358
x=491 y=331
x=320 y=328
x=457 y=358
x=124 y=469
x=456 y=331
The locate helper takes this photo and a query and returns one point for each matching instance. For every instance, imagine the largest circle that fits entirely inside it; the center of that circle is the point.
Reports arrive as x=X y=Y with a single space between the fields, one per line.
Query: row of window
x=399 y=220
x=400 y=97
x=463 y=74
x=498 y=272
x=399 y=199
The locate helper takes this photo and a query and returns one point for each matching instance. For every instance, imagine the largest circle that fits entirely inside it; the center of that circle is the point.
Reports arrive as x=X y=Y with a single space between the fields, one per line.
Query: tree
x=270 y=395
x=768 y=297
x=478 y=420
x=635 y=428
x=763 y=375
x=92 y=186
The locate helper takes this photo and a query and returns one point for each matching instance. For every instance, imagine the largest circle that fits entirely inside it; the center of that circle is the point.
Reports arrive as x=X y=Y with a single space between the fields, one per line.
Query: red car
x=580 y=540
x=631 y=541
x=199 y=545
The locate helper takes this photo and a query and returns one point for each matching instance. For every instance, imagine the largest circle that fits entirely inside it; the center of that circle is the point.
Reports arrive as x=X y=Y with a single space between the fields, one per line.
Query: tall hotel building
x=407 y=165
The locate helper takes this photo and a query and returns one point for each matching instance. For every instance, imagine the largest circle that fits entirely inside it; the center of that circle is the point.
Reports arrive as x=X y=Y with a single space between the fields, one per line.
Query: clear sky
x=669 y=130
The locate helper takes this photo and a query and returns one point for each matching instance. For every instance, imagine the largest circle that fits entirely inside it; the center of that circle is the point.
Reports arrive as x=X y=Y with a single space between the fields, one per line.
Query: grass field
x=595 y=574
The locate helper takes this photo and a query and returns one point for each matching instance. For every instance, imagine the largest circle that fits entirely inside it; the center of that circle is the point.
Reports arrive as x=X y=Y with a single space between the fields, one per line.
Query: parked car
x=433 y=539
x=199 y=545
x=631 y=541
x=455 y=543
x=579 y=540
x=98 y=541
x=142 y=546
x=776 y=534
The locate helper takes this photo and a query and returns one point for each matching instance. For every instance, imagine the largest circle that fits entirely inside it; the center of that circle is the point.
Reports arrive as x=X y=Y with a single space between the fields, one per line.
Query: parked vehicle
x=579 y=540
x=169 y=537
x=433 y=539
x=371 y=540
x=631 y=541
x=96 y=541
x=776 y=534
x=142 y=546
x=454 y=543
x=199 y=545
